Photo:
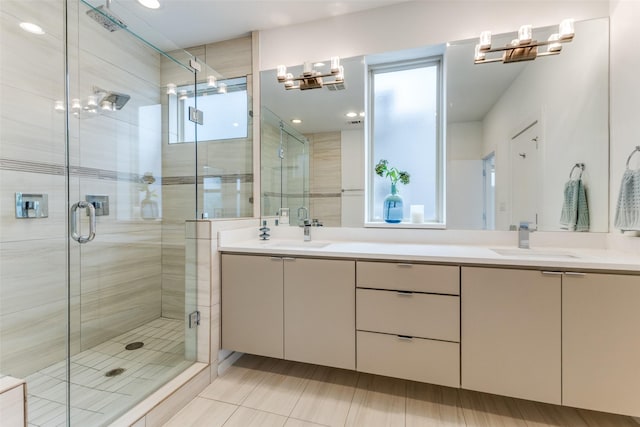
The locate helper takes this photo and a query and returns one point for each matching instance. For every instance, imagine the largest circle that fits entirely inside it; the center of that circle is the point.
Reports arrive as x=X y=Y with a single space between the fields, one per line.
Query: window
x=225 y=110
x=405 y=131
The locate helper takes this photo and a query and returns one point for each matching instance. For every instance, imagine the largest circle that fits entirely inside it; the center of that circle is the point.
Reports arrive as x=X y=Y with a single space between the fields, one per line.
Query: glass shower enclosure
x=285 y=168
x=94 y=300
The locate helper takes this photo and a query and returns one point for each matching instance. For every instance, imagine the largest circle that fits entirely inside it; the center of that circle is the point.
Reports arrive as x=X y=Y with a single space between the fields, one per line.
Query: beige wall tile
x=230 y=58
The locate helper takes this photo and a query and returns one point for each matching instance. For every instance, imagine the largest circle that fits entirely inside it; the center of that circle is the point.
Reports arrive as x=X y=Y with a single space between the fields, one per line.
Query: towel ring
x=579 y=166
x=632 y=153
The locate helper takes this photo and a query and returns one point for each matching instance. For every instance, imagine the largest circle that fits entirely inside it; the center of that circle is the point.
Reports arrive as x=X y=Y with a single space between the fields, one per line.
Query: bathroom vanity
x=547 y=325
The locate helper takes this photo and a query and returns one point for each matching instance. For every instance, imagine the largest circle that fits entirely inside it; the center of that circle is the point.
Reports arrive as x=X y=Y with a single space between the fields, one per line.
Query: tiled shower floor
x=97 y=399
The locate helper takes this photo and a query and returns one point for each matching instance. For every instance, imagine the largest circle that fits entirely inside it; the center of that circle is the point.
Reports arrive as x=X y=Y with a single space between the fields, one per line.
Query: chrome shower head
x=111 y=100
x=105 y=17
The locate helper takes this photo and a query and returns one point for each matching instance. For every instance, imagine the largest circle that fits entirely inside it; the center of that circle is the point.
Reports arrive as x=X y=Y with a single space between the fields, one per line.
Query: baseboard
x=228 y=361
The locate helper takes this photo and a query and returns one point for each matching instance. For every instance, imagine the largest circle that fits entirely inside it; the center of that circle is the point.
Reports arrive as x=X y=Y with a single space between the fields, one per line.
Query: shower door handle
x=73 y=222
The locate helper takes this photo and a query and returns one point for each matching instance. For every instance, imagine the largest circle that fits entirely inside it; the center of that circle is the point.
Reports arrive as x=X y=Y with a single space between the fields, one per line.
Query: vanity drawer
x=416 y=359
x=439 y=279
x=412 y=314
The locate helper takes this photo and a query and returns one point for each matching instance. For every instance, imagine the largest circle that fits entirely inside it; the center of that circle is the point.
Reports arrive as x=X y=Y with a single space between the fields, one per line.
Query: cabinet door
x=601 y=342
x=511 y=333
x=252 y=304
x=319 y=300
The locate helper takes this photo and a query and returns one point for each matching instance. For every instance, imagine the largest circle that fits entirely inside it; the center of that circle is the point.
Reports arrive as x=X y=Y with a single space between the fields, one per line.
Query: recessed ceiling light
x=296 y=121
x=151 y=4
x=351 y=114
x=361 y=113
x=32 y=28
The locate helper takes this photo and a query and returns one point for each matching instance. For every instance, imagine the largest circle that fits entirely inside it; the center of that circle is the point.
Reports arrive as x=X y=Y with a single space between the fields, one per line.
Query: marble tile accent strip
x=57 y=169
x=231 y=178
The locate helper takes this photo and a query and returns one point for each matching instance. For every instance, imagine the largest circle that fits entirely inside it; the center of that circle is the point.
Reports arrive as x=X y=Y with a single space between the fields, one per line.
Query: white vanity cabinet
x=408 y=321
x=601 y=342
x=319 y=313
x=290 y=308
x=252 y=304
x=511 y=326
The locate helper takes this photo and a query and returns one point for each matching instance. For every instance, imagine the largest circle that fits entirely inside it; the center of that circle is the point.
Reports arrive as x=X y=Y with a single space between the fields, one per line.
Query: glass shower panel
x=284 y=168
x=33 y=256
x=128 y=309
x=295 y=171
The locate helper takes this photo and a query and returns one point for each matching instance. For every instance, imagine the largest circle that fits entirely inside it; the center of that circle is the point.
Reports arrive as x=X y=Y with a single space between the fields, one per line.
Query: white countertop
x=497 y=255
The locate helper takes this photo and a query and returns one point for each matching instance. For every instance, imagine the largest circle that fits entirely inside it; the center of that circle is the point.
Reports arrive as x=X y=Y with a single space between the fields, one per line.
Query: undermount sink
x=538 y=253
x=300 y=245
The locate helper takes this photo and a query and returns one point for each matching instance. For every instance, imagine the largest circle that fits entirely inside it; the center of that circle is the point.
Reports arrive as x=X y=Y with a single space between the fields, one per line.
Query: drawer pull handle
x=275 y=258
x=404 y=265
x=288 y=259
x=552 y=273
x=405 y=338
x=404 y=293
x=575 y=274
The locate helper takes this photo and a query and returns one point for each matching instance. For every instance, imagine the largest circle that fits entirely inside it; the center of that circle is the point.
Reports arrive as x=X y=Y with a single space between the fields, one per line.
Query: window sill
x=425 y=225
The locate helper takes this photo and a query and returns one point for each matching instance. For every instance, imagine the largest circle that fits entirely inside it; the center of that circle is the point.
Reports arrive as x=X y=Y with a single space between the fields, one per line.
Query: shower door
x=128 y=202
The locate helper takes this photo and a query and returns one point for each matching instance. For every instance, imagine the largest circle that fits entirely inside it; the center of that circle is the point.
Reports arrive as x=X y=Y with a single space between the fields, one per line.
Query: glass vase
x=392 y=210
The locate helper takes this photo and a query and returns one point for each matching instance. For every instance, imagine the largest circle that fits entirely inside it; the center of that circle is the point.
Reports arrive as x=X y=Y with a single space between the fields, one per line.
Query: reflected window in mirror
x=405 y=131
x=224 y=104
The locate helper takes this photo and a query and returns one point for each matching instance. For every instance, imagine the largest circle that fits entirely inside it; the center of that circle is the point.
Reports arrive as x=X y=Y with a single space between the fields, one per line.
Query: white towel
x=628 y=207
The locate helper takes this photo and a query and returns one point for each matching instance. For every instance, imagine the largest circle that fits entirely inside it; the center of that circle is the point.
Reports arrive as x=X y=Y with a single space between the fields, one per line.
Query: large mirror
x=516 y=134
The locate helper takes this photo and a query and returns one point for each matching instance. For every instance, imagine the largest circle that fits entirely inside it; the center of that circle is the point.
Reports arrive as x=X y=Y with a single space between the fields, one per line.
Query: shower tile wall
x=230 y=161
x=325 y=181
x=32 y=259
x=121 y=268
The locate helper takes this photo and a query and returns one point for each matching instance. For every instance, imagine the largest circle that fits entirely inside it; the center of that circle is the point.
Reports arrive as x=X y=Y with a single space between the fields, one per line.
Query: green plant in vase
x=392 y=208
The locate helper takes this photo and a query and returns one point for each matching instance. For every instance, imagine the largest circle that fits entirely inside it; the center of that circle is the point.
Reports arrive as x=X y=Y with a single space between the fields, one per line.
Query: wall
x=230 y=161
x=464 y=174
x=413 y=24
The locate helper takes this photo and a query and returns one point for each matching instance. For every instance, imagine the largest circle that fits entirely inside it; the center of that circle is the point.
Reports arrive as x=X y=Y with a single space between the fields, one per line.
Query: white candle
x=417 y=214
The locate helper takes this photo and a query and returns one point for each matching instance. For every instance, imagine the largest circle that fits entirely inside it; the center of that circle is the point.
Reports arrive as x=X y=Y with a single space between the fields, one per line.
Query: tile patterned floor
x=97 y=399
x=259 y=391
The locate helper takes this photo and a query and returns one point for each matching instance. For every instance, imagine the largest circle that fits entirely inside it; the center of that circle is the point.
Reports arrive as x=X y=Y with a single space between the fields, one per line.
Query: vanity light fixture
x=310 y=77
x=351 y=114
x=171 y=89
x=296 y=121
x=212 y=81
x=524 y=48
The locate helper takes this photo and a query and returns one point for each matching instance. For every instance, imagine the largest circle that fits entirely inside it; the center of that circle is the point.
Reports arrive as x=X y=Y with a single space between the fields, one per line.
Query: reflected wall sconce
x=310 y=77
x=524 y=48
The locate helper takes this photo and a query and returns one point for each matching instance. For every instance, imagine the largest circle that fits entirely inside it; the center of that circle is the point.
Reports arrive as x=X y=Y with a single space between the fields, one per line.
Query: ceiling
x=187 y=23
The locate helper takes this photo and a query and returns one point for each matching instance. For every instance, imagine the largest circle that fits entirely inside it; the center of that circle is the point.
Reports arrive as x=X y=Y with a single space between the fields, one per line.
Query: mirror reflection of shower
x=100 y=100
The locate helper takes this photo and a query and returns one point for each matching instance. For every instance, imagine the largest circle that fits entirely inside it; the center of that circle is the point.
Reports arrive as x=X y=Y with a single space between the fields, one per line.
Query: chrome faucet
x=524 y=230
x=307 y=230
